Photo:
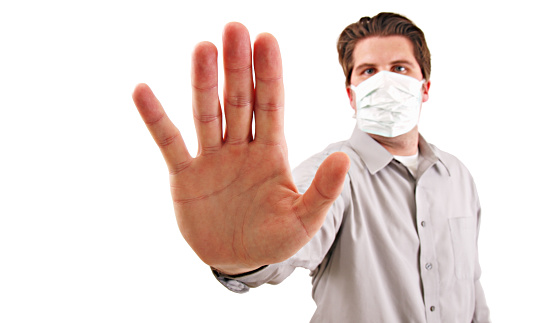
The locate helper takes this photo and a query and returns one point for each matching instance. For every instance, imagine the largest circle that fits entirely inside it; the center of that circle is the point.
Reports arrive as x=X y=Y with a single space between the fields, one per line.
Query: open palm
x=236 y=203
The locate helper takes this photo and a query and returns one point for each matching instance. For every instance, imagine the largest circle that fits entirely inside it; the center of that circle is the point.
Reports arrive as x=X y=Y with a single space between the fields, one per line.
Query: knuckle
x=155 y=120
x=269 y=79
x=177 y=168
x=238 y=101
x=237 y=141
x=247 y=68
x=166 y=141
x=208 y=150
x=205 y=87
x=206 y=118
x=269 y=106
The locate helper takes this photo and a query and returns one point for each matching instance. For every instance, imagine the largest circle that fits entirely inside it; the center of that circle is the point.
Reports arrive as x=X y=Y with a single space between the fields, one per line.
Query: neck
x=403 y=145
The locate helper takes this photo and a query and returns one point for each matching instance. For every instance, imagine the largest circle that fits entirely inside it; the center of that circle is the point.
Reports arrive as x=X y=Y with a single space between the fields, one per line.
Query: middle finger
x=238 y=84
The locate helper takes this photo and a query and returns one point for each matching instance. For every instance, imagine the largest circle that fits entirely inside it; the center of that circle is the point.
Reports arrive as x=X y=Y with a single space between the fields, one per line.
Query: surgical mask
x=388 y=104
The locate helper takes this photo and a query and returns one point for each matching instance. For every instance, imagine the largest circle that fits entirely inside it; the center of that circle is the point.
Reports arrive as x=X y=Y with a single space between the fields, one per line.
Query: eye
x=399 y=69
x=369 y=71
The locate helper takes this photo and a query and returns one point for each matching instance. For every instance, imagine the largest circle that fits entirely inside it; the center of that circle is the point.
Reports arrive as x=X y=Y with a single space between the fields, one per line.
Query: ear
x=426 y=88
x=352 y=98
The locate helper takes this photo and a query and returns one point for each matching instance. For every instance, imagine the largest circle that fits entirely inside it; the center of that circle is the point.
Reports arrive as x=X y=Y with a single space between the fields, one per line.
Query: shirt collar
x=376 y=157
x=431 y=155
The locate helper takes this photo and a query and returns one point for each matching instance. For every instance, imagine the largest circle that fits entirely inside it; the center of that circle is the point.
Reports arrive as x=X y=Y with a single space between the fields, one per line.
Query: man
x=387 y=223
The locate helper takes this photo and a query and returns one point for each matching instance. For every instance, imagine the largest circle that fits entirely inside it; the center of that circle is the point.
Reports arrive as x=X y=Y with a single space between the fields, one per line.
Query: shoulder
x=453 y=164
x=460 y=177
x=304 y=173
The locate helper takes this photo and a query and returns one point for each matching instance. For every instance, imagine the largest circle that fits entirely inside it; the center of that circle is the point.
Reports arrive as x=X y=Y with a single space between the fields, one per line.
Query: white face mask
x=388 y=104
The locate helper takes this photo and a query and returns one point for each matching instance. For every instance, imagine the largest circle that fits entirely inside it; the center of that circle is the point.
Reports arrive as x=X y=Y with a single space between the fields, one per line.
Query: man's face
x=391 y=53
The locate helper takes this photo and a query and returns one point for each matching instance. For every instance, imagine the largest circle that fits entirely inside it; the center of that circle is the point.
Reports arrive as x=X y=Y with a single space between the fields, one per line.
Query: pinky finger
x=163 y=131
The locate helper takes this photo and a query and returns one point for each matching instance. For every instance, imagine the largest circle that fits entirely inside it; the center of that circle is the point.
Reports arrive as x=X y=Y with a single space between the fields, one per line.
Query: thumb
x=323 y=191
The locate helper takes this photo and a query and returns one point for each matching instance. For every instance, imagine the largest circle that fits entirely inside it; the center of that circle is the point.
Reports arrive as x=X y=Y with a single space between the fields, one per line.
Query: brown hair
x=383 y=24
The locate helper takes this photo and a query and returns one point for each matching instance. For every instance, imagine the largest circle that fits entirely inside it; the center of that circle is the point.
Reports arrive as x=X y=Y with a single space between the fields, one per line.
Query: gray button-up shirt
x=394 y=247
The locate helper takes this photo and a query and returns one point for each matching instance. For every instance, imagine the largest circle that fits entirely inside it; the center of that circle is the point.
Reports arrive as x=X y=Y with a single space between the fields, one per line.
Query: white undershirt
x=411 y=162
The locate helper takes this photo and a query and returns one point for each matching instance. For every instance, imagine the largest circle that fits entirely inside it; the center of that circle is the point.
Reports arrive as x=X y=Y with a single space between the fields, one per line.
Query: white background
x=87 y=229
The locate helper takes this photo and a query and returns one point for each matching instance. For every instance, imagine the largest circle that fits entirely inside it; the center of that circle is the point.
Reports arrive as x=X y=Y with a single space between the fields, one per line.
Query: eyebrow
x=396 y=62
x=364 y=65
x=402 y=62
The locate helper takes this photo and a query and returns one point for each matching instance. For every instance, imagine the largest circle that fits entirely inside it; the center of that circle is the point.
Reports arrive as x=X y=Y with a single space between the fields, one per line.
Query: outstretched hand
x=236 y=203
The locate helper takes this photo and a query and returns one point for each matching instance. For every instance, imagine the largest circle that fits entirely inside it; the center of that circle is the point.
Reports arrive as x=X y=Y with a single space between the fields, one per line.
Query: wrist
x=236 y=271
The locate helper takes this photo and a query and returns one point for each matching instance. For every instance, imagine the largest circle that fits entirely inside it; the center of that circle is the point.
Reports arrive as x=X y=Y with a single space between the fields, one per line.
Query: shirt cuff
x=231 y=281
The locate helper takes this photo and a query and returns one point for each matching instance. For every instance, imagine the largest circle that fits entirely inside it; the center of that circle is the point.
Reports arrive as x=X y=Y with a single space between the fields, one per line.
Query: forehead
x=383 y=49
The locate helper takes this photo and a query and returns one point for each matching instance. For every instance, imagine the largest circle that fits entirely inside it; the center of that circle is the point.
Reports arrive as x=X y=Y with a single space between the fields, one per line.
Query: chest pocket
x=463 y=237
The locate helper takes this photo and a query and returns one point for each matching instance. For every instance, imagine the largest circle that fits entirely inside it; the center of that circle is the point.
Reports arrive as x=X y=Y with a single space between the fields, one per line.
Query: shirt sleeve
x=313 y=253
x=481 y=314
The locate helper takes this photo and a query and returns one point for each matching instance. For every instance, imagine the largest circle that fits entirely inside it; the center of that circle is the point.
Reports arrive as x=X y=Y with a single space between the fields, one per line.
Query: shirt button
x=423 y=223
x=432 y=308
x=428 y=266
